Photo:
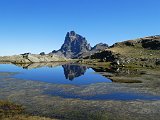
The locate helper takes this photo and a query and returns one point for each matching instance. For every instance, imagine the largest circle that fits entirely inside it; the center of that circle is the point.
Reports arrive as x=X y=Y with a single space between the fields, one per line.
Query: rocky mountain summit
x=73 y=46
x=76 y=46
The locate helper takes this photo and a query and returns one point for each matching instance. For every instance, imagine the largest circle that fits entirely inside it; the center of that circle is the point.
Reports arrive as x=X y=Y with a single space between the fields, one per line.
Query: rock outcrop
x=152 y=42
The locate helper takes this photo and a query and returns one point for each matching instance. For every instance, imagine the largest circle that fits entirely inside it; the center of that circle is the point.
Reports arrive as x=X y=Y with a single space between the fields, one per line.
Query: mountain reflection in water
x=57 y=73
x=72 y=71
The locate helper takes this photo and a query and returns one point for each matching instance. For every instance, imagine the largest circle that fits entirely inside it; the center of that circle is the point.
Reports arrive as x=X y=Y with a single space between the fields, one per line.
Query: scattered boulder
x=42 y=53
x=158 y=62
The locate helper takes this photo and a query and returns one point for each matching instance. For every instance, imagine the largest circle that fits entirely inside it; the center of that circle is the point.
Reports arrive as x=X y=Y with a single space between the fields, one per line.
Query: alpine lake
x=72 y=91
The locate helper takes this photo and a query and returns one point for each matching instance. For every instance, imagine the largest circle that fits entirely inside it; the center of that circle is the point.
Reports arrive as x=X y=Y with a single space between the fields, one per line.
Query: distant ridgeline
x=76 y=46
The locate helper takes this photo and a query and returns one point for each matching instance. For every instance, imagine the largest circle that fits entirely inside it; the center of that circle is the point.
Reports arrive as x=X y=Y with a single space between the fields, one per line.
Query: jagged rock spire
x=74 y=45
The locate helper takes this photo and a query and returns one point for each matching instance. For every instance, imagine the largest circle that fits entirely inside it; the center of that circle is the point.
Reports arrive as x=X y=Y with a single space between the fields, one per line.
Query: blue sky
x=40 y=25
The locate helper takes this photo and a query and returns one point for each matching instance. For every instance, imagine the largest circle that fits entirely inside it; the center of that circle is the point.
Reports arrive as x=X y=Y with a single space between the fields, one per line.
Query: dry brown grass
x=25 y=117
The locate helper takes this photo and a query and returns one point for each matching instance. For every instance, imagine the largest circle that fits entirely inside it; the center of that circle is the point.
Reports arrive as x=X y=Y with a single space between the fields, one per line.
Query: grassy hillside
x=142 y=52
x=136 y=51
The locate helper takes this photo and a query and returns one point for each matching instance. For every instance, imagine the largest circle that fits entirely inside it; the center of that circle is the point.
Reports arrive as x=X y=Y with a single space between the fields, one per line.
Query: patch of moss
x=10 y=111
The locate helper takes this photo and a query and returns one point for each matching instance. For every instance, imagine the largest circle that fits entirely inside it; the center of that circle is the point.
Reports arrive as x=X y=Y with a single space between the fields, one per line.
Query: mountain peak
x=75 y=46
x=72 y=33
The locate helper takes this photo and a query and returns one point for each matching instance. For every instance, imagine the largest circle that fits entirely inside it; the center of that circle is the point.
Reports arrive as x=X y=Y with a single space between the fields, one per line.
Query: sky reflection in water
x=65 y=74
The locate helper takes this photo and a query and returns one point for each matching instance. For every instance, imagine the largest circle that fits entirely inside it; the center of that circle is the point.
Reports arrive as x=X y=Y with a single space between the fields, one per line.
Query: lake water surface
x=71 y=74
x=63 y=74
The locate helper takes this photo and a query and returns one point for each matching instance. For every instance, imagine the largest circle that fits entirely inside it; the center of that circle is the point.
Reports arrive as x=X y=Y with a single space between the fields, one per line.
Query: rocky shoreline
x=32 y=58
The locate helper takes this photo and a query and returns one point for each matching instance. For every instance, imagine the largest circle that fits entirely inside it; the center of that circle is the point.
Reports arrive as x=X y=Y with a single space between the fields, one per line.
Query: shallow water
x=110 y=96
